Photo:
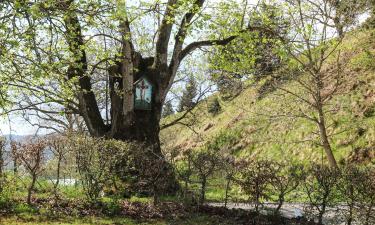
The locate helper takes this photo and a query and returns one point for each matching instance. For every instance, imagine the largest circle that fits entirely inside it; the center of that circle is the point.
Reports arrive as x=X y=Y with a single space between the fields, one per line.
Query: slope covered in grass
x=256 y=125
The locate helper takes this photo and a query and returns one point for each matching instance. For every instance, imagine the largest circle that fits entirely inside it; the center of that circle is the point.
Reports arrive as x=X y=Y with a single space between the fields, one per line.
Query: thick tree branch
x=87 y=100
x=179 y=41
x=164 y=34
x=127 y=70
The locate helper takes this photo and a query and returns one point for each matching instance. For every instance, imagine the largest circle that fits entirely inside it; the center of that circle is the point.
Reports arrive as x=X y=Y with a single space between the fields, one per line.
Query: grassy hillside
x=252 y=125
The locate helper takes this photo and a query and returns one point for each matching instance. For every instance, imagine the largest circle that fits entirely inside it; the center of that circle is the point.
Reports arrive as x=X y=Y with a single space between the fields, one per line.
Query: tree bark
x=281 y=202
x=324 y=138
x=227 y=186
x=203 y=190
x=31 y=189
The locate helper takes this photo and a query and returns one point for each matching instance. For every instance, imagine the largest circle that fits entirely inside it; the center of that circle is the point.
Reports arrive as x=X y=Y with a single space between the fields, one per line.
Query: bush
x=255 y=179
x=96 y=160
x=348 y=186
x=214 y=107
x=153 y=172
x=286 y=180
x=320 y=186
x=204 y=162
x=366 y=190
x=32 y=158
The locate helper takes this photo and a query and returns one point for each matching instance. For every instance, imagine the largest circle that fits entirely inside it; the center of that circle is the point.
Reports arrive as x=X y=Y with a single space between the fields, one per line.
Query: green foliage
x=97 y=160
x=253 y=54
x=254 y=179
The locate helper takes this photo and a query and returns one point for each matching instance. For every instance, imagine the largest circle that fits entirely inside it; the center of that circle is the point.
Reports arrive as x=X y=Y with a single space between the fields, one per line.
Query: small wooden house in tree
x=143 y=94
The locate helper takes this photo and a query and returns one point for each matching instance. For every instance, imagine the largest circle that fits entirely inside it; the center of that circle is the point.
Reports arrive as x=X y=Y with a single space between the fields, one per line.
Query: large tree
x=83 y=57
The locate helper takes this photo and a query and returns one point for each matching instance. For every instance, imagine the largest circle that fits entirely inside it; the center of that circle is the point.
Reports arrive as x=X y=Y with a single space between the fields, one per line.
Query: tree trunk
x=2 y=149
x=141 y=125
x=227 y=186
x=350 y=217
x=281 y=202
x=31 y=189
x=321 y=214
x=324 y=139
x=58 y=170
x=203 y=190
x=339 y=27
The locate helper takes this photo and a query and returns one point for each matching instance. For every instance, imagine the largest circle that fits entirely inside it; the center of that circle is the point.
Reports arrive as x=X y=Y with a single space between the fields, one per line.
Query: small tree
x=229 y=167
x=31 y=156
x=254 y=178
x=350 y=180
x=59 y=147
x=93 y=159
x=214 y=107
x=366 y=191
x=287 y=179
x=188 y=95
x=204 y=162
x=309 y=50
x=168 y=109
x=345 y=13
x=320 y=185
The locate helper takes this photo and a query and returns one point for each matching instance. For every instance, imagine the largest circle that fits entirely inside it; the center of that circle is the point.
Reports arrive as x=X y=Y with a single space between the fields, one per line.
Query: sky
x=17 y=126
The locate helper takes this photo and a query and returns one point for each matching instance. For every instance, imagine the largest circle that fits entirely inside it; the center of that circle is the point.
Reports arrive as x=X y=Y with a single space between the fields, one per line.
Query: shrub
x=254 y=179
x=366 y=189
x=151 y=172
x=184 y=169
x=31 y=157
x=204 y=163
x=286 y=180
x=320 y=186
x=350 y=180
x=96 y=160
x=214 y=107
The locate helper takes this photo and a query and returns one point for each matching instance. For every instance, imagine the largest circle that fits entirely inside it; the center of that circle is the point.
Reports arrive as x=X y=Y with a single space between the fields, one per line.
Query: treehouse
x=143 y=94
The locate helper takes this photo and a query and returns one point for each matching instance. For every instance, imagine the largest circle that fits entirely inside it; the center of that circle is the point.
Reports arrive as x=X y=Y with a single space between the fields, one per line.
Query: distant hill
x=244 y=128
